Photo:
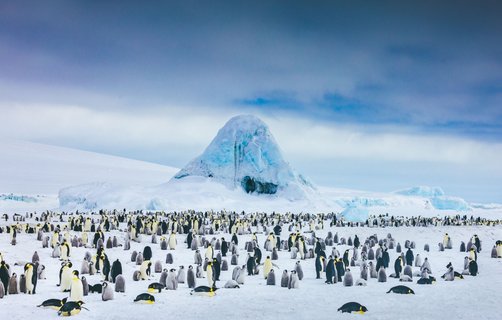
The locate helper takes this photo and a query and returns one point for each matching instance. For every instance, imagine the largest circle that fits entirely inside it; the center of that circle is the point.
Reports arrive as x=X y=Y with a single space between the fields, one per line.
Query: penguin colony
x=204 y=235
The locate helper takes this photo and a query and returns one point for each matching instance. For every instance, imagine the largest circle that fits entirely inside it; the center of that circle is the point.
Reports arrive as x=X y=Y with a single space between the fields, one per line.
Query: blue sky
x=424 y=77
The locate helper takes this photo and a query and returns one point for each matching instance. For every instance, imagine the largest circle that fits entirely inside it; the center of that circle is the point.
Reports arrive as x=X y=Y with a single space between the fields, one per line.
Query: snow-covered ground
x=474 y=297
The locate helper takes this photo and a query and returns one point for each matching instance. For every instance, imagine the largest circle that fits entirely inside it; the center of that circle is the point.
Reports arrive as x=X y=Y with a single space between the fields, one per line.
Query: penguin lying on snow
x=145 y=298
x=155 y=287
x=401 y=290
x=71 y=308
x=55 y=304
x=355 y=307
x=232 y=284
x=204 y=291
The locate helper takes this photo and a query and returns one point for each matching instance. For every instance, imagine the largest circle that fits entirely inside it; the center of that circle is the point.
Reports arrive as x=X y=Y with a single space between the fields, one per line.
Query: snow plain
x=473 y=297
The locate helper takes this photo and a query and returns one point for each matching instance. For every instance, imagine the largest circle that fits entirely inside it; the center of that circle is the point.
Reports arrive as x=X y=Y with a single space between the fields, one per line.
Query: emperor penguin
x=65 y=277
x=107 y=293
x=494 y=252
x=171 y=281
x=22 y=283
x=191 y=277
x=147 y=253
x=35 y=257
x=116 y=270
x=158 y=267
x=473 y=268
x=172 y=241
x=293 y=282
x=418 y=260
x=348 y=280
x=77 y=289
x=134 y=256
x=382 y=275
x=169 y=258
x=85 y=285
x=373 y=272
x=330 y=270
x=13 y=284
x=163 y=243
x=499 y=248
x=181 y=275
x=210 y=274
x=298 y=270
x=224 y=265
x=426 y=265
x=210 y=253
x=408 y=271
x=4 y=275
x=140 y=259
x=31 y=276
x=449 y=275
x=41 y=272
x=466 y=263
x=145 y=270
x=56 y=251
x=284 y=279
x=234 y=260
x=199 y=273
x=473 y=254
x=241 y=276
x=2 y=290
x=364 y=272
x=197 y=259
x=127 y=244
x=231 y=284
x=271 y=278
x=120 y=283
x=84 y=269
x=267 y=266
x=65 y=251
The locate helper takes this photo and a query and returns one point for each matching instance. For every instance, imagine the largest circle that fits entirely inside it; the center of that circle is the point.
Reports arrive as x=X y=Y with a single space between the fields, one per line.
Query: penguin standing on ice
x=284 y=279
x=319 y=264
x=330 y=270
x=107 y=293
x=340 y=269
x=77 y=289
x=348 y=280
x=473 y=268
x=116 y=270
x=398 y=267
x=191 y=277
x=293 y=282
x=65 y=276
x=31 y=275
x=251 y=265
x=267 y=266
x=120 y=283
x=271 y=278
x=409 y=257
x=299 y=270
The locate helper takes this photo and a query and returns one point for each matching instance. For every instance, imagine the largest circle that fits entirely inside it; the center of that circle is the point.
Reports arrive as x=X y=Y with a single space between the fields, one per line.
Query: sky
x=372 y=95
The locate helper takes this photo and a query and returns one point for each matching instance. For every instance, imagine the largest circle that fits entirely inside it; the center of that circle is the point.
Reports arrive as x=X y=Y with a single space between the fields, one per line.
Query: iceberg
x=355 y=214
x=422 y=191
x=244 y=155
